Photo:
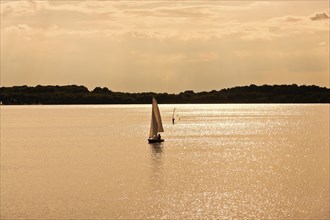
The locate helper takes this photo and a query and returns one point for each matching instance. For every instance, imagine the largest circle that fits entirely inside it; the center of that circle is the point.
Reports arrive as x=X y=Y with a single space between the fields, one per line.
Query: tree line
x=73 y=94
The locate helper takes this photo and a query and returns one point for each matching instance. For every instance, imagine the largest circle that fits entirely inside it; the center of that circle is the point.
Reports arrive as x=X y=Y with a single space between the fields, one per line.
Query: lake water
x=217 y=161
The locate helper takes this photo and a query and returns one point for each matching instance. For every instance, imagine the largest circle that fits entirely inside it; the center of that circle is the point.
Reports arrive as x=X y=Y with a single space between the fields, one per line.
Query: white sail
x=156 y=121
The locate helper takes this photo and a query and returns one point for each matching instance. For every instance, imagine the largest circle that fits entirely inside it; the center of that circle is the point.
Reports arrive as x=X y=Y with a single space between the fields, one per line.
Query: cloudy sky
x=164 y=46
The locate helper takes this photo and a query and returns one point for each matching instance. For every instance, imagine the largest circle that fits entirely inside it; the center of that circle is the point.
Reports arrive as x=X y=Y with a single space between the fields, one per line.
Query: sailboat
x=175 y=117
x=156 y=124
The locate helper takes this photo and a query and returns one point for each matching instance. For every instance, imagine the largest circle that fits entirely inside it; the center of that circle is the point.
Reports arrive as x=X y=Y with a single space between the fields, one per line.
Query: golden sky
x=164 y=46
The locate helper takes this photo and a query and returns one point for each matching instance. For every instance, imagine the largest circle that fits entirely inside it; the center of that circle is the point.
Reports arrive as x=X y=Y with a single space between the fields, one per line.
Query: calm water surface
x=217 y=161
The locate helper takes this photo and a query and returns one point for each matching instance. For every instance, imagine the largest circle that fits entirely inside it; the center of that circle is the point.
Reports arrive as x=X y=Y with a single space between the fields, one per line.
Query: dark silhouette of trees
x=100 y=90
x=73 y=94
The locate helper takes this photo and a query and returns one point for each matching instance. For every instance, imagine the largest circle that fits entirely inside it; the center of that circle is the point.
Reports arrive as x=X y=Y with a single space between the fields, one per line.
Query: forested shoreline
x=73 y=94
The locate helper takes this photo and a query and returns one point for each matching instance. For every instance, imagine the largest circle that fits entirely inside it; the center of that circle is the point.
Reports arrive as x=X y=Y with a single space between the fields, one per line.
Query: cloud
x=322 y=43
x=319 y=16
x=17 y=8
x=31 y=7
x=18 y=28
x=22 y=31
x=21 y=8
x=156 y=20
x=257 y=36
x=288 y=19
x=186 y=10
x=293 y=19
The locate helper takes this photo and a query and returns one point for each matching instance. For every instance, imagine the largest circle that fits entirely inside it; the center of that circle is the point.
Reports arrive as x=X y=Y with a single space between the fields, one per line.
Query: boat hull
x=151 y=140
